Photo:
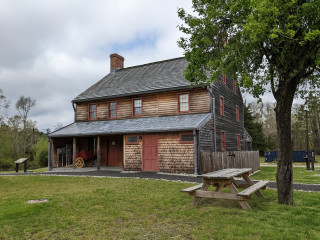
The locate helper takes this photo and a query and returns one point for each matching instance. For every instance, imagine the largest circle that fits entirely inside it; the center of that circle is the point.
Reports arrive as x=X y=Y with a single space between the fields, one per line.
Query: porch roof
x=134 y=125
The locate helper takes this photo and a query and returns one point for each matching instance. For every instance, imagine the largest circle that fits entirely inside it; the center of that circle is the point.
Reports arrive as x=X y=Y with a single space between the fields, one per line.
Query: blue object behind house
x=297 y=156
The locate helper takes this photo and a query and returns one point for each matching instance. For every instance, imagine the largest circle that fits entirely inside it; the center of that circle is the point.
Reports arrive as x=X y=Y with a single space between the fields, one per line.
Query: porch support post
x=98 y=153
x=74 y=152
x=195 y=152
x=49 y=155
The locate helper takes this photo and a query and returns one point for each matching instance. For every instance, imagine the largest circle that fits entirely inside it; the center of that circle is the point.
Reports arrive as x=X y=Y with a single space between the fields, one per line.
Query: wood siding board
x=154 y=105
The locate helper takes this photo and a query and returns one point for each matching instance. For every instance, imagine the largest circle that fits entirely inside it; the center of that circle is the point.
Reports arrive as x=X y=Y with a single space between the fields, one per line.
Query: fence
x=297 y=156
x=213 y=161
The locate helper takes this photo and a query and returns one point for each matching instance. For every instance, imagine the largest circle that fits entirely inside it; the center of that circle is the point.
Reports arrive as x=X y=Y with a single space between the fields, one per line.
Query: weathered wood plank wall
x=213 y=161
x=153 y=105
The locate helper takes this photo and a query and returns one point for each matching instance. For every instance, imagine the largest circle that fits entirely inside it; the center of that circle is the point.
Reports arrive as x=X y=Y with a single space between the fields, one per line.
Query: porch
x=86 y=152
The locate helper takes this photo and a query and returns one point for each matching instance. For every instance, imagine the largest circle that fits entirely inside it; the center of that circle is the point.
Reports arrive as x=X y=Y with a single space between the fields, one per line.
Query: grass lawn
x=300 y=175
x=114 y=208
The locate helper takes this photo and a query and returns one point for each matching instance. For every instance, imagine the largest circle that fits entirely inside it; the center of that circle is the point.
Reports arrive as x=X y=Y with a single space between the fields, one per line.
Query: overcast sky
x=53 y=50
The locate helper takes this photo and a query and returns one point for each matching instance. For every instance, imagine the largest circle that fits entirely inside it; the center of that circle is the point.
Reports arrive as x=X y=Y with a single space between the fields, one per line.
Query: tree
x=258 y=43
x=254 y=128
x=4 y=105
x=24 y=105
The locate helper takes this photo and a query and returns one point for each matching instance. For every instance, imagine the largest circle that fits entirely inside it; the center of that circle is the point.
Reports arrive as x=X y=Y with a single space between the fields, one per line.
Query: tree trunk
x=284 y=167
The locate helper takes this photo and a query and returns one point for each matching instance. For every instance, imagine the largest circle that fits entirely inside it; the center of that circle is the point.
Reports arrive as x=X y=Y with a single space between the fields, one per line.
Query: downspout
x=195 y=152
x=74 y=109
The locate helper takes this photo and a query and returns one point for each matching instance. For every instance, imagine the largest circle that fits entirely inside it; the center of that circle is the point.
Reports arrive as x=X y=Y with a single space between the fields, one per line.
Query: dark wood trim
x=140 y=115
x=132 y=143
x=178 y=99
x=89 y=117
x=185 y=133
x=109 y=109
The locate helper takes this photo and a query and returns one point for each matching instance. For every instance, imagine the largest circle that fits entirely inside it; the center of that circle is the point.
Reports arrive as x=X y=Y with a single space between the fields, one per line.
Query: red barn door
x=150 y=152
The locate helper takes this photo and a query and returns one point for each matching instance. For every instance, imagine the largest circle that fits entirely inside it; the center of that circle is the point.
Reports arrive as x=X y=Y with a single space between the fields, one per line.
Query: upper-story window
x=92 y=111
x=224 y=79
x=221 y=106
x=238 y=142
x=183 y=101
x=137 y=107
x=237 y=114
x=223 y=140
x=112 y=109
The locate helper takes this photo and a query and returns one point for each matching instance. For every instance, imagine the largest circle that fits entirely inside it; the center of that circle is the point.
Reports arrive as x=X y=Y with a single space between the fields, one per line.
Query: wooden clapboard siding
x=82 y=112
x=157 y=104
x=174 y=156
x=102 y=110
x=228 y=122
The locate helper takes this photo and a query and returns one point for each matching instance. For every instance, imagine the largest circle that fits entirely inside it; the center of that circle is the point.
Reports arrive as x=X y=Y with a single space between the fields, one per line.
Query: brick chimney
x=116 y=62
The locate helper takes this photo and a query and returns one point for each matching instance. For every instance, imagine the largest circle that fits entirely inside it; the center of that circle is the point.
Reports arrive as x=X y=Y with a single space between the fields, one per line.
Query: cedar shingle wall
x=133 y=157
x=174 y=157
x=157 y=104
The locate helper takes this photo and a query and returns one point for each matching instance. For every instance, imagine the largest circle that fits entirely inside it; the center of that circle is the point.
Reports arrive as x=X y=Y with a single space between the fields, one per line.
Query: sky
x=53 y=50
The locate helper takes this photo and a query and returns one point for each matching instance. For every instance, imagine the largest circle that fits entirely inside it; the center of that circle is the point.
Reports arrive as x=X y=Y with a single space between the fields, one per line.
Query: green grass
x=114 y=208
x=300 y=175
x=38 y=170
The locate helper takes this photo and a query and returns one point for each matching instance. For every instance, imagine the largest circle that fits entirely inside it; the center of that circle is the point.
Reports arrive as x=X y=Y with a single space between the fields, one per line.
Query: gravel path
x=151 y=175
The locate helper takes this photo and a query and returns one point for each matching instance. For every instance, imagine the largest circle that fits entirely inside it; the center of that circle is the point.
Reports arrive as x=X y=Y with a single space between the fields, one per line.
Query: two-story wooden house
x=149 y=118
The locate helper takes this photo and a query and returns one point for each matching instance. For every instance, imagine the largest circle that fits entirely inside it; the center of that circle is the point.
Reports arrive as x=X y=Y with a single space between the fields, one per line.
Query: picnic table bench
x=232 y=178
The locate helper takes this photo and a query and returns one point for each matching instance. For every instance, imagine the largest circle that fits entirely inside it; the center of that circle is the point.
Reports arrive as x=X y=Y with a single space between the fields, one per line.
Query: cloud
x=54 y=50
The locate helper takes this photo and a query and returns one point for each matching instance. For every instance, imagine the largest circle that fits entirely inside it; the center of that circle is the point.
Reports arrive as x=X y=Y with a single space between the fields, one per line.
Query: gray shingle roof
x=152 y=77
x=135 y=125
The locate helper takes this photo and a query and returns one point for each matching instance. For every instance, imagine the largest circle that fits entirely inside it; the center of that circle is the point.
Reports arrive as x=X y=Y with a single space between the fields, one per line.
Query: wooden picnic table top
x=21 y=160
x=227 y=173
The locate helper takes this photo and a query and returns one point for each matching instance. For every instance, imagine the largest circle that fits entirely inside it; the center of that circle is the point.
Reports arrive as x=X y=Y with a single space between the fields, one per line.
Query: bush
x=40 y=152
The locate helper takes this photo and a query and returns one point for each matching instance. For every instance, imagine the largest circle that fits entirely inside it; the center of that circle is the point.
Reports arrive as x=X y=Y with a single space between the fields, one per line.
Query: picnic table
x=231 y=178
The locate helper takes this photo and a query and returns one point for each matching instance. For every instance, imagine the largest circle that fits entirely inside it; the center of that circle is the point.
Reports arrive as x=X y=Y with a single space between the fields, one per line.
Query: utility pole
x=306 y=108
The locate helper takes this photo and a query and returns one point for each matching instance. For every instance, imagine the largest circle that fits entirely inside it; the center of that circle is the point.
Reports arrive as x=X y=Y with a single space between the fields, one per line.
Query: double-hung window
x=221 y=106
x=112 y=109
x=92 y=111
x=223 y=140
x=137 y=107
x=183 y=101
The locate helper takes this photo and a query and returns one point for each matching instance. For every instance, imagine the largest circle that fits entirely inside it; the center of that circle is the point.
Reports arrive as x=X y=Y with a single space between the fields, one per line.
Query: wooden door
x=113 y=152
x=150 y=153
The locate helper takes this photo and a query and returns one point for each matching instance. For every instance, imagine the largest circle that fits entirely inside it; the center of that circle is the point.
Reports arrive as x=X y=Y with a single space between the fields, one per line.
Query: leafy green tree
x=258 y=43
x=40 y=152
x=254 y=129
x=24 y=105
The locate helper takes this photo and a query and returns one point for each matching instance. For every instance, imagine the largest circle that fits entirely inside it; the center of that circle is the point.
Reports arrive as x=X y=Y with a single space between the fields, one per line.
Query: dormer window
x=137 y=107
x=112 y=109
x=92 y=111
x=183 y=101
